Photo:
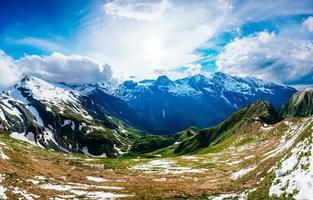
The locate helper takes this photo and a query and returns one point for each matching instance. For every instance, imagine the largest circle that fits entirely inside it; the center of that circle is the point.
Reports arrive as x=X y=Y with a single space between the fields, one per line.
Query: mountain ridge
x=210 y=99
x=68 y=113
x=255 y=153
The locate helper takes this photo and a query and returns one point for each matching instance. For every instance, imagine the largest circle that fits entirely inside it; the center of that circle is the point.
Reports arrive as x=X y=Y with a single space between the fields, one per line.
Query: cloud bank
x=9 y=72
x=73 y=69
x=269 y=56
x=139 y=36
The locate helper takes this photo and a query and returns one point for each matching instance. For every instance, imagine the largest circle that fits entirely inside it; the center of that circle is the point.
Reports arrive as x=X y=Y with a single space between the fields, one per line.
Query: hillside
x=247 y=166
x=55 y=117
x=240 y=124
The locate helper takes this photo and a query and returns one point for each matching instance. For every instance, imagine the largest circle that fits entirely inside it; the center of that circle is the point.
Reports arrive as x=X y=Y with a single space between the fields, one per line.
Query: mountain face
x=299 y=105
x=170 y=106
x=56 y=117
x=261 y=112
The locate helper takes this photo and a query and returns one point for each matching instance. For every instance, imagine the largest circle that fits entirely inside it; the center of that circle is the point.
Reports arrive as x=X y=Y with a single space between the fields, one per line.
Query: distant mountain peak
x=30 y=82
x=219 y=73
x=198 y=77
x=163 y=80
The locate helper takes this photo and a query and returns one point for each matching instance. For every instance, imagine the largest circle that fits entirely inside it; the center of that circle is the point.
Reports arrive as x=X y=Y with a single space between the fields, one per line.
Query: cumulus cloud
x=9 y=72
x=73 y=69
x=269 y=56
x=308 y=23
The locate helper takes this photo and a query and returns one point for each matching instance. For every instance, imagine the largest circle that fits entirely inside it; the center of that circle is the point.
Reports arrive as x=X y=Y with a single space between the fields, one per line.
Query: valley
x=57 y=143
x=156 y=100
x=242 y=168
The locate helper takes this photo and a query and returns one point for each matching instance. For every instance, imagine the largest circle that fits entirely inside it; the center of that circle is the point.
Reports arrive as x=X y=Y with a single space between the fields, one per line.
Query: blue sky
x=119 y=39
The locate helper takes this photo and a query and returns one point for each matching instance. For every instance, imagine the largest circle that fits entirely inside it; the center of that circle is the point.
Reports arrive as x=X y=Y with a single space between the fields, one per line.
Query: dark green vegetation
x=148 y=143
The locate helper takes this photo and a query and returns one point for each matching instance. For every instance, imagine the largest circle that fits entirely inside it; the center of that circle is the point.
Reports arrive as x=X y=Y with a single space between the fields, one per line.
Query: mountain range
x=100 y=120
x=163 y=106
x=236 y=137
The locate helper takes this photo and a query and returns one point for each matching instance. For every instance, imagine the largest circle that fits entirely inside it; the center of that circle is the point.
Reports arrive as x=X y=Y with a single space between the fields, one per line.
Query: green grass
x=119 y=163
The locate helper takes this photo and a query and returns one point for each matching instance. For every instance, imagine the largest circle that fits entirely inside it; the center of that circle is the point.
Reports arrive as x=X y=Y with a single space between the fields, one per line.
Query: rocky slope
x=55 y=117
x=299 y=105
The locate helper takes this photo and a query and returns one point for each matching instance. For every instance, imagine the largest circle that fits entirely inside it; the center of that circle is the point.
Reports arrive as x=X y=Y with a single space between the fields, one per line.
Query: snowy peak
x=215 y=84
x=163 y=81
x=198 y=78
x=45 y=91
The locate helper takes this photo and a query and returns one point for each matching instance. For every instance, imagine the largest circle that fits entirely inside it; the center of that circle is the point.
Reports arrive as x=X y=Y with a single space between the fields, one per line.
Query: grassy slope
x=221 y=161
x=222 y=136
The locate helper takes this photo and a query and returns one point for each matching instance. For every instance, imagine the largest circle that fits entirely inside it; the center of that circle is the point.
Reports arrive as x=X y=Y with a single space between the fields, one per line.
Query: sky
x=90 y=41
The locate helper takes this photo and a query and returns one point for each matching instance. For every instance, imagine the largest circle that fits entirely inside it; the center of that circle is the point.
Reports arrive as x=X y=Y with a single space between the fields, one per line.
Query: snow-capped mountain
x=93 y=118
x=57 y=117
x=169 y=106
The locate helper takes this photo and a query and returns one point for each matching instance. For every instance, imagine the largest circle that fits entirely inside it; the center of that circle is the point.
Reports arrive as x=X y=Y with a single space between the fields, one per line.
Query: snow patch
x=2 y=189
x=2 y=155
x=23 y=194
x=293 y=132
x=86 y=152
x=166 y=167
x=241 y=173
x=29 y=138
x=96 y=179
x=295 y=174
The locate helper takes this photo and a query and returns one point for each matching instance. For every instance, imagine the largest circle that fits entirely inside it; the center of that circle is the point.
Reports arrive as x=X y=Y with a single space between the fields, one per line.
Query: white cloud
x=308 y=23
x=138 y=36
x=9 y=72
x=226 y=5
x=138 y=10
x=182 y=71
x=39 y=43
x=269 y=56
x=56 y=67
x=70 y=69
